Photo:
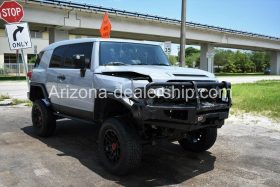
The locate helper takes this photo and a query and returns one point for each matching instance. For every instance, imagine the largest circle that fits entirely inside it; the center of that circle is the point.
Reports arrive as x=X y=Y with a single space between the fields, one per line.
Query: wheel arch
x=105 y=108
x=37 y=91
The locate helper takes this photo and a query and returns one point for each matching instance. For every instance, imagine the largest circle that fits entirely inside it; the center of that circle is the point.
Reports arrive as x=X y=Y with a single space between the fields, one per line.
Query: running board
x=73 y=118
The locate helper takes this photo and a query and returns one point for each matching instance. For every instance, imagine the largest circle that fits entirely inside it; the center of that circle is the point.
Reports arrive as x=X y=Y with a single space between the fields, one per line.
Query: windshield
x=120 y=53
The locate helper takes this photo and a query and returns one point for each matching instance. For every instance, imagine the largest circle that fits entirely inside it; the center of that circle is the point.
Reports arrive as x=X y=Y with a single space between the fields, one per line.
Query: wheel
x=43 y=120
x=200 y=140
x=119 y=147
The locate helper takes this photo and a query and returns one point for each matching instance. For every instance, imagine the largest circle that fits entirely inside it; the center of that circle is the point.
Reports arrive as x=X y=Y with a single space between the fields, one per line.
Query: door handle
x=61 y=77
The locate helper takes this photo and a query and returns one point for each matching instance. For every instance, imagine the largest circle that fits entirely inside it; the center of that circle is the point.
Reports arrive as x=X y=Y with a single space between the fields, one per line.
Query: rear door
x=53 y=76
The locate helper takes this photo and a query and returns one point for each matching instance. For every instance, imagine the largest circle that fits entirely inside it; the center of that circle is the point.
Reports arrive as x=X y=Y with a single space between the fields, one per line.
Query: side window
x=38 y=59
x=81 y=49
x=57 y=57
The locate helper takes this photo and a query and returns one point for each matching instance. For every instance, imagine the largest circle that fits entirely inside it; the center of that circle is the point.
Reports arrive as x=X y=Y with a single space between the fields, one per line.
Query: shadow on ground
x=165 y=164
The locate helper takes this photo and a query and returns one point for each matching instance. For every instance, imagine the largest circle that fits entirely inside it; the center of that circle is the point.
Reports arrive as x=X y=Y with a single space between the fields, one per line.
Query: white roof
x=83 y=40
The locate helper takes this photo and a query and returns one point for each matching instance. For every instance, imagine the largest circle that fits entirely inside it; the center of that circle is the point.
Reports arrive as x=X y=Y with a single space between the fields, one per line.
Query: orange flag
x=106 y=27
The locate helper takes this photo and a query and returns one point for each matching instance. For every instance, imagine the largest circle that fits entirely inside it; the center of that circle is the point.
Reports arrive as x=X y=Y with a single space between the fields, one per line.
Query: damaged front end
x=178 y=113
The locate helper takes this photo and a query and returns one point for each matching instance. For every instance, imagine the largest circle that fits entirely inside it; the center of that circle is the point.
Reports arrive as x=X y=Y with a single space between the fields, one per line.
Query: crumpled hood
x=161 y=73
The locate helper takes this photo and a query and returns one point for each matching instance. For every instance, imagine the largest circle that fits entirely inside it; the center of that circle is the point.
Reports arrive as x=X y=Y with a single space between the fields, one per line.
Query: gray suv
x=129 y=89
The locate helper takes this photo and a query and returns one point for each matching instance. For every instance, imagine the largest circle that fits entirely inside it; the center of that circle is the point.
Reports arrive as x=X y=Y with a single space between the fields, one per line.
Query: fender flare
x=42 y=87
x=100 y=113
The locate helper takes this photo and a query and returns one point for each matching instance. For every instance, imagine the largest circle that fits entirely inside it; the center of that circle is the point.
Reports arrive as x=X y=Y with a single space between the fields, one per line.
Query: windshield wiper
x=115 y=64
x=160 y=64
x=151 y=64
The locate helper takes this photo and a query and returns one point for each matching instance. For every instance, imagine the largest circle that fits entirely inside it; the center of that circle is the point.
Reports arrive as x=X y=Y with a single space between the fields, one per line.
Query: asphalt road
x=248 y=79
x=15 y=89
x=247 y=153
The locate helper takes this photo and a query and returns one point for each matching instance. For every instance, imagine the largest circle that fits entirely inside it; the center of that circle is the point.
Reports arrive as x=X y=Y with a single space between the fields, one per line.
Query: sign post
x=18 y=33
x=183 y=34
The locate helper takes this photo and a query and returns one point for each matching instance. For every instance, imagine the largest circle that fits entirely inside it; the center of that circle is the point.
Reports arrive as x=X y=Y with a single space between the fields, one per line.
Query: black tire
x=44 y=122
x=119 y=147
x=200 y=140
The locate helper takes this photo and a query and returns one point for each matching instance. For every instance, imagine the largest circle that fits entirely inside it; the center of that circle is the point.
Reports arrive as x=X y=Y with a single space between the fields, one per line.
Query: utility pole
x=183 y=33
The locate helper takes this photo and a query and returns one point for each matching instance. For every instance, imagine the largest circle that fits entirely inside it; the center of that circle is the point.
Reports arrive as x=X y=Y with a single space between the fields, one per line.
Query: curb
x=6 y=102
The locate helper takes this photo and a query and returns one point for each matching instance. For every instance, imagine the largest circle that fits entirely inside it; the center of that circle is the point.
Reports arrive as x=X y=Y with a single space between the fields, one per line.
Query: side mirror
x=81 y=63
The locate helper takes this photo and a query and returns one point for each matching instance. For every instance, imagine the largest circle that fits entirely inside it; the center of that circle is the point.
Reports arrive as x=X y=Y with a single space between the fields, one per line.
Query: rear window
x=57 y=57
x=38 y=59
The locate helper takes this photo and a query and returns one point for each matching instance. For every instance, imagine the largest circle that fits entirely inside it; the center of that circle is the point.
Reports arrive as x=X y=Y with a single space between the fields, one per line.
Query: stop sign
x=11 y=12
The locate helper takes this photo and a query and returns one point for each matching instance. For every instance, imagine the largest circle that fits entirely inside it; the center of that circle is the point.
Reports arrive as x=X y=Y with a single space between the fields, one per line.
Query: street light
x=183 y=34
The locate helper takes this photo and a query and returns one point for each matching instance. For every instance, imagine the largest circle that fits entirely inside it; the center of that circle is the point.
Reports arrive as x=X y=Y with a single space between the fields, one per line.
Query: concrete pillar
x=2 y=60
x=207 y=57
x=275 y=62
x=56 y=35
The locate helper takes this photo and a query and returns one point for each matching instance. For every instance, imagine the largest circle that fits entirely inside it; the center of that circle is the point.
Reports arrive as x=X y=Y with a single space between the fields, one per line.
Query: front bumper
x=187 y=117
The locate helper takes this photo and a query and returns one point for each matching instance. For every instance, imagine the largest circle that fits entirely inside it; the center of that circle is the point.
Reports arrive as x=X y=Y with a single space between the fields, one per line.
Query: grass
x=262 y=98
x=11 y=78
x=16 y=101
x=21 y=101
x=239 y=74
x=3 y=97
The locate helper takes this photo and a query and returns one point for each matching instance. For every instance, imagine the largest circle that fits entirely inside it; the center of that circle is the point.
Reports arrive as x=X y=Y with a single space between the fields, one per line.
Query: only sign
x=11 y=12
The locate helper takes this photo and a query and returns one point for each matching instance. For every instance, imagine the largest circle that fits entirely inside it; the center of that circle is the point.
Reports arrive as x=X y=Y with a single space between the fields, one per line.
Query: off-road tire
x=43 y=120
x=129 y=150
x=193 y=143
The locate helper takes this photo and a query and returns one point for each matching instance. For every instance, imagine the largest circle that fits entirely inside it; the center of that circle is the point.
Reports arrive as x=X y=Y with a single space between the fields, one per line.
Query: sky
x=258 y=16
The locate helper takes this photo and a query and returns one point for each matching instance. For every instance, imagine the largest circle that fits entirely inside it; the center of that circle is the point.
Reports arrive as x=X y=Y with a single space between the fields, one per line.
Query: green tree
x=191 y=50
x=192 y=56
x=193 y=59
x=243 y=63
x=222 y=57
x=230 y=68
x=32 y=60
x=261 y=60
x=173 y=59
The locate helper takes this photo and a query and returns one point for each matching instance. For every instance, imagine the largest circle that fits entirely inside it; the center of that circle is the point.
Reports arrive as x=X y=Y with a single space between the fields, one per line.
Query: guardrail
x=81 y=6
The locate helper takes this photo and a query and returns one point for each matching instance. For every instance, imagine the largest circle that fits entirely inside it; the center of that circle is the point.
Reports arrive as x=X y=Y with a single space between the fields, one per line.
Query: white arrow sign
x=19 y=36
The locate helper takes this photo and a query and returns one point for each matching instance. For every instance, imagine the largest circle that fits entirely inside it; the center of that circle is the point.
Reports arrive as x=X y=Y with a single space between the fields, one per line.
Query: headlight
x=160 y=92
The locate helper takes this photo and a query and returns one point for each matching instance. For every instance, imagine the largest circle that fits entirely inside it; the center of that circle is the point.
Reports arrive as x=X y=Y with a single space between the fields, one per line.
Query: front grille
x=186 y=94
x=177 y=114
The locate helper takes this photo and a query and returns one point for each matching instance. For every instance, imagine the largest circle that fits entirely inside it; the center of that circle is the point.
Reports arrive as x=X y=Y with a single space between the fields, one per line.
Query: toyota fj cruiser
x=131 y=91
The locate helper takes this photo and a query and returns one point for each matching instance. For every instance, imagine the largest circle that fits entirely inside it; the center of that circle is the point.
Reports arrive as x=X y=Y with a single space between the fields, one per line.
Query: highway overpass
x=62 y=19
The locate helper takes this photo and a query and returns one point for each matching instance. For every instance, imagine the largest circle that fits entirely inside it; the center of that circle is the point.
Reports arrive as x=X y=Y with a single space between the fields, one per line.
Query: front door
x=77 y=96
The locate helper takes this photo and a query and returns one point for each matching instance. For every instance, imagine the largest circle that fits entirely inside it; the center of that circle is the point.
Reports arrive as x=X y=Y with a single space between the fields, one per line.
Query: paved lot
x=18 y=89
x=245 y=154
x=15 y=89
x=247 y=79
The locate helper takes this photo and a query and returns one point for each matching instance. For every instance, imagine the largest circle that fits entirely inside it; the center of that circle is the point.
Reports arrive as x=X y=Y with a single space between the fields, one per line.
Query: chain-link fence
x=14 y=69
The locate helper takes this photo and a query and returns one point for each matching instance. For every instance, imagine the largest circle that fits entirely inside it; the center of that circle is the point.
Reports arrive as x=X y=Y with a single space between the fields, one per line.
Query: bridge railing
x=67 y=4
